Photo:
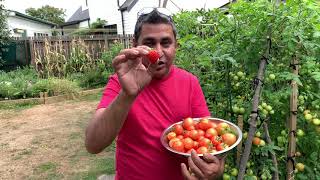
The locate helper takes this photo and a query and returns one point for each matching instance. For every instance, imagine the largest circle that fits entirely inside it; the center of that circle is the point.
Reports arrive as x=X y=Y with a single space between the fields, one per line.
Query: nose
x=158 y=48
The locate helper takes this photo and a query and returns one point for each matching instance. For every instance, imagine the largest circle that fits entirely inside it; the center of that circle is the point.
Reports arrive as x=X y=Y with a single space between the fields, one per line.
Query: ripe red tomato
x=220 y=147
x=172 y=141
x=204 y=124
x=194 y=134
x=210 y=133
x=200 y=132
x=180 y=137
x=202 y=150
x=216 y=140
x=213 y=125
x=229 y=138
x=204 y=142
x=188 y=143
x=178 y=129
x=256 y=141
x=171 y=135
x=195 y=144
x=178 y=146
x=187 y=123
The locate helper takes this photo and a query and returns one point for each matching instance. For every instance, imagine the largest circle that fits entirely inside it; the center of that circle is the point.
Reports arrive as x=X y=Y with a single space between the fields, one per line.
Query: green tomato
x=240 y=74
x=269 y=108
x=249 y=172
x=300 y=132
x=301 y=98
x=263 y=177
x=283 y=133
x=272 y=76
x=264 y=105
x=242 y=110
x=265 y=112
x=235 y=109
x=271 y=112
x=300 y=167
x=245 y=135
x=226 y=176
x=308 y=117
x=234 y=172
x=235 y=78
x=316 y=121
x=258 y=134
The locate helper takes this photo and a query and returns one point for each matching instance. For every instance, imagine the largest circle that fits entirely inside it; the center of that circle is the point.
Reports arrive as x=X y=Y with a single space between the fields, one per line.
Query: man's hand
x=208 y=168
x=132 y=73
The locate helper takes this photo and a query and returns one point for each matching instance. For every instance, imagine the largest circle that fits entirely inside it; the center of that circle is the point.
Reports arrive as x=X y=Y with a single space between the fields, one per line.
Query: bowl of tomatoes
x=204 y=135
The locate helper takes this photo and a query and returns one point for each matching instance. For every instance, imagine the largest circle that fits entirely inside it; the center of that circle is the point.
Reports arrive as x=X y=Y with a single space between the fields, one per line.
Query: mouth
x=161 y=64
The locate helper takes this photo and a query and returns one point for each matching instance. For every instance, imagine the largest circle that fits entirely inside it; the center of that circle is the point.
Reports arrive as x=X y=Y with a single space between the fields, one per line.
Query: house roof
x=79 y=16
x=16 y=13
x=127 y=5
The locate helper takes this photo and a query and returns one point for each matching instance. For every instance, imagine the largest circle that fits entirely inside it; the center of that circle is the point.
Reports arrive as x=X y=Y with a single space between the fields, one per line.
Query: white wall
x=31 y=26
x=105 y=10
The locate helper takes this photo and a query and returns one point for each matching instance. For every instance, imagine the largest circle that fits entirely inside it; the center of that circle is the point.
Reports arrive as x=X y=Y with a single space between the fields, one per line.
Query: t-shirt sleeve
x=111 y=91
x=199 y=105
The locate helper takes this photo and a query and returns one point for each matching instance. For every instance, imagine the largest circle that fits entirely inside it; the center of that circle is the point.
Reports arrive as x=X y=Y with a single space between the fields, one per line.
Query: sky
x=20 y=5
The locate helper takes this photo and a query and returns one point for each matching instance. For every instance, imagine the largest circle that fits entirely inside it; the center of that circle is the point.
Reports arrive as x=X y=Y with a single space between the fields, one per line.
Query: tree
x=99 y=23
x=4 y=32
x=48 y=13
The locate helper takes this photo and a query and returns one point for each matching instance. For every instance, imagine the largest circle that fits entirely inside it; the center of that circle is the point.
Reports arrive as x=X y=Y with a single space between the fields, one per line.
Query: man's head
x=154 y=17
x=157 y=30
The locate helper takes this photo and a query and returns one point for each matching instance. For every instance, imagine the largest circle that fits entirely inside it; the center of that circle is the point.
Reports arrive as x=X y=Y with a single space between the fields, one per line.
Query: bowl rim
x=239 y=135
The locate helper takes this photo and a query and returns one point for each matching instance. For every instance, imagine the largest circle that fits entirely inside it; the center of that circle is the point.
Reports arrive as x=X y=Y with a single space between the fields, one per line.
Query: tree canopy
x=4 y=32
x=48 y=13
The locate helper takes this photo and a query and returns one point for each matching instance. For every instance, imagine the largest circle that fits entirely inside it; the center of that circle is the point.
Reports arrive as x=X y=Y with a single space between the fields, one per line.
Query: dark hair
x=154 y=17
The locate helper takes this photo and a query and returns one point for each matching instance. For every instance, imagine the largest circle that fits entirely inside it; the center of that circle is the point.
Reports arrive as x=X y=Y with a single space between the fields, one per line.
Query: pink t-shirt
x=139 y=153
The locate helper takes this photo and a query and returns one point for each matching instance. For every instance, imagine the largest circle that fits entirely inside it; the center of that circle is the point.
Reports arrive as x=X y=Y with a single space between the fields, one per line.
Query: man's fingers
x=185 y=171
x=197 y=160
x=133 y=53
x=210 y=158
x=118 y=60
x=193 y=166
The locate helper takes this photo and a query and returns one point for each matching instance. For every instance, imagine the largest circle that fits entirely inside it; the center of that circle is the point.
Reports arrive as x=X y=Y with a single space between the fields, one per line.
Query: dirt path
x=46 y=141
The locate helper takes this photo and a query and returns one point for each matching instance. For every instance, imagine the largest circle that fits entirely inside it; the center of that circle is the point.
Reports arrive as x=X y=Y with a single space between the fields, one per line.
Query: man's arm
x=106 y=123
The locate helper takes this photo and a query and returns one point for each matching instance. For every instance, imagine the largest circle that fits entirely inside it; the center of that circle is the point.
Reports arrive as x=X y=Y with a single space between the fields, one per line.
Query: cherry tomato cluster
x=204 y=136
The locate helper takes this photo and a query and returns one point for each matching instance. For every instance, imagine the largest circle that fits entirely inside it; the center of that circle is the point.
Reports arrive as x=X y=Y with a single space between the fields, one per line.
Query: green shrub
x=55 y=86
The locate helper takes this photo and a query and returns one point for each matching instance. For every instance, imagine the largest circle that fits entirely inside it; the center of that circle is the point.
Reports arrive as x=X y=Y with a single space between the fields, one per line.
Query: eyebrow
x=153 y=39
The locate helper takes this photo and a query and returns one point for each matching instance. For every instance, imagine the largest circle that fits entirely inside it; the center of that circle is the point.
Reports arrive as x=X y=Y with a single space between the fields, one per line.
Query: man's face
x=161 y=38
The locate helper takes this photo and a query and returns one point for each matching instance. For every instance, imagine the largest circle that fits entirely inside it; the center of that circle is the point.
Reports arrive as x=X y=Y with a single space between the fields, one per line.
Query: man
x=143 y=99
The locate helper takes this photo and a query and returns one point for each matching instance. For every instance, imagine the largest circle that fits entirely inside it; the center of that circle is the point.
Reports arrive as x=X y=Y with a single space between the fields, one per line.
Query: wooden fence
x=96 y=44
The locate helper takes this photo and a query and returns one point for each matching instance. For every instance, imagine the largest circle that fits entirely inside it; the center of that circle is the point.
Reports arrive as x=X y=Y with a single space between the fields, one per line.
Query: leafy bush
x=224 y=49
x=55 y=86
x=17 y=83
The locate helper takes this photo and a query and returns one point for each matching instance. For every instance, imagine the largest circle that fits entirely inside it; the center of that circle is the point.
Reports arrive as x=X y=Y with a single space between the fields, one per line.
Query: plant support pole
x=254 y=113
x=292 y=121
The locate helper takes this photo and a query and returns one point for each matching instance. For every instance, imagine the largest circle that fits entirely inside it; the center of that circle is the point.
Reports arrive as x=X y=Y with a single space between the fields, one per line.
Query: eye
x=166 y=43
